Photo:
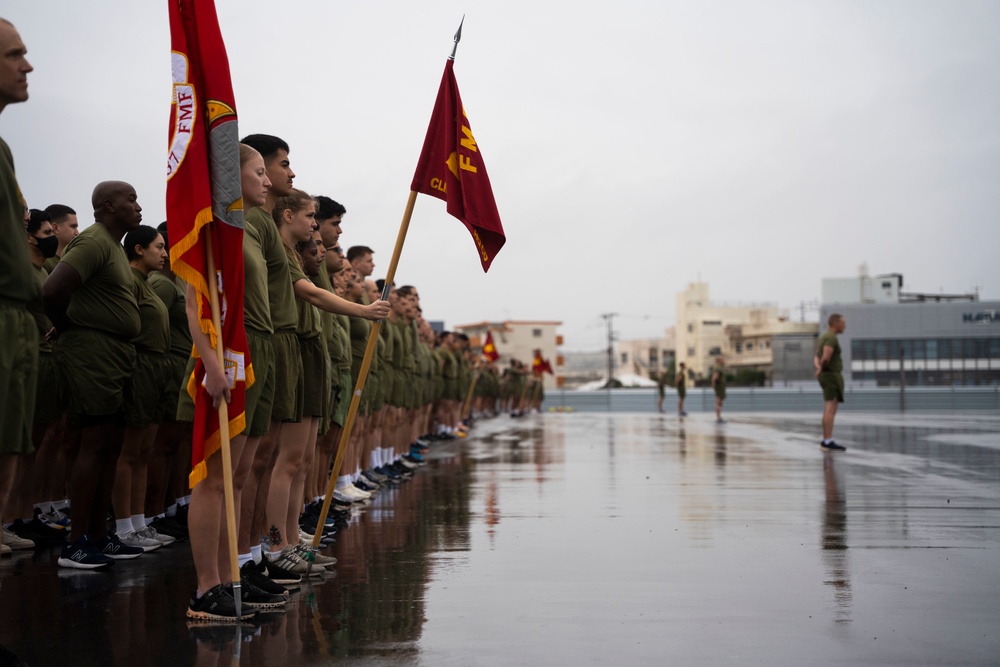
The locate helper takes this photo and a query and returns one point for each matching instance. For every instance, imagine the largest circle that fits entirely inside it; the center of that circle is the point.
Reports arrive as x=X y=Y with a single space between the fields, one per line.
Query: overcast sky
x=633 y=147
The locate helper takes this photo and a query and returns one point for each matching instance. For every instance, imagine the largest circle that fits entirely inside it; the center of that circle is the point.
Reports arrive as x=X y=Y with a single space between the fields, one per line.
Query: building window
x=690 y=327
x=653 y=357
x=739 y=347
x=749 y=346
x=714 y=351
x=690 y=352
x=711 y=323
x=537 y=333
x=624 y=358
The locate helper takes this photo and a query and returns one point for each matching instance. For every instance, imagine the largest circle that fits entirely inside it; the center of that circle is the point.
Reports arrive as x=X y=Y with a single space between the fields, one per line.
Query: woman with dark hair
x=146 y=252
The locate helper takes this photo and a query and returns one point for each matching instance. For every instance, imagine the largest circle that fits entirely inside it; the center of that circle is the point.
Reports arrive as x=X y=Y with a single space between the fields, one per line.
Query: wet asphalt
x=603 y=539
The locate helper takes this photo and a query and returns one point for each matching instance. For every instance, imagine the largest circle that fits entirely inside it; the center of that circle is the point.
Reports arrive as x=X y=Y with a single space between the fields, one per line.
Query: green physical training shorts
x=833 y=386
x=18 y=377
x=97 y=368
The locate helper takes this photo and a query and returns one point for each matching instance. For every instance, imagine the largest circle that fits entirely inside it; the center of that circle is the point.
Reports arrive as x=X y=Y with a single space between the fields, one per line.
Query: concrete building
x=701 y=333
x=518 y=339
x=777 y=347
x=917 y=339
x=646 y=356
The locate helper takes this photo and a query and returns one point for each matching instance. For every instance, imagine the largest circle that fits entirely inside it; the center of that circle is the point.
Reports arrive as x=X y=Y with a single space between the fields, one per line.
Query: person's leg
x=242 y=473
x=224 y=567
x=86 y=475
x=258 y=485
x=718 y=408
x=306 y=429
x=125 y=476
x=161 y=462
x=8 y=472
x=288 y=459
x=829 y=412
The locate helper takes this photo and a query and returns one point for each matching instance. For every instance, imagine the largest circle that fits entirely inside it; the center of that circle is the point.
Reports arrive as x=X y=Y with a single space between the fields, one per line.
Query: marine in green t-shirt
x=829 y=367
x=719 y=385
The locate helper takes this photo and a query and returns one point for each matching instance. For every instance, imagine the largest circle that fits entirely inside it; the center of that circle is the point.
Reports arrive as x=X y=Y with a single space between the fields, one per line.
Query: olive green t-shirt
x=450 y=368
x=307 y=321
x=280 y=295
x=327 y=319
x=256 y=298
x=17 y=280
x=50 y=263
x=154 y=336
x=173 y=297
x=720 y=383
x=829 y=339
x=106 y=300
x=343 y=323
x=37 y=310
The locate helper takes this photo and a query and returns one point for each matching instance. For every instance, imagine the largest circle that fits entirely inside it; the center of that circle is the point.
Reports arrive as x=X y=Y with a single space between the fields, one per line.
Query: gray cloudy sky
x=633 y=146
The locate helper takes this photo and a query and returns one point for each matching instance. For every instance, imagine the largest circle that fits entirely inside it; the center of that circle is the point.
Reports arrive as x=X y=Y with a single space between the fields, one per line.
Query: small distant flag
x=540 y=365
x=451 y=168
x=489 y=349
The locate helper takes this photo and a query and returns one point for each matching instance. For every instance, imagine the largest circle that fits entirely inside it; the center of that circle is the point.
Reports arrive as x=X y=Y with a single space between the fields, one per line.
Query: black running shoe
x=218 y=606
x=279 y=575
x=260 y=600
x=250 y=572
x=831 y=447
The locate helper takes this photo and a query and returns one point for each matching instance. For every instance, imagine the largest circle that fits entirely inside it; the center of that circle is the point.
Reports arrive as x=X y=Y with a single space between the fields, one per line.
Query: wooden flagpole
x=366 y=363
x=227 y=457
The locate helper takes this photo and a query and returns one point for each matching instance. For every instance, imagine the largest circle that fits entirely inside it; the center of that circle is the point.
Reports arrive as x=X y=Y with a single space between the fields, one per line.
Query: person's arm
x=57 y=292
x=823 y=364
x=715 y=377
x=332 y=303
x=216 y=382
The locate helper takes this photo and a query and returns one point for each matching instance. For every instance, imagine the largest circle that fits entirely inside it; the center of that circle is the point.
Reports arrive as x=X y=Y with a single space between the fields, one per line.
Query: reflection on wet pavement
x=603 y=539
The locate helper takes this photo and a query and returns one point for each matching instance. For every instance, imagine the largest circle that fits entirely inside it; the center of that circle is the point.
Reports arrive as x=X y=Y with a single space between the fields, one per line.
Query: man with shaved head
x=19 y=349
x=89 y=298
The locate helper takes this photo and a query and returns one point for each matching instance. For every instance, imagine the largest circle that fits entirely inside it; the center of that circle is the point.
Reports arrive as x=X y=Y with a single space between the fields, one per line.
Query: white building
x=518 y=339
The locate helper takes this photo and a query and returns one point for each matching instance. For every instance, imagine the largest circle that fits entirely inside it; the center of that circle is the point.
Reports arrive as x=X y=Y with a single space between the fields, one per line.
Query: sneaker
x=342 y=496
x=317 y=558
x=56 y=518
x=37 y=531
x=151 y=532
x=112 y=547
x=137 y=539
x=278 y=574
x=366 y=486
x=15 y=541
x=44 y=519
x=217 y=605
x=407 y=463
x=5 y=550
x=375 y=477
x=83 y=555
x=720 y=420
x=170 y=526
x=251 y=572
x=683 y=414
x=259 y=599
x=292 y=562
x=831 y=446
x=415 y=459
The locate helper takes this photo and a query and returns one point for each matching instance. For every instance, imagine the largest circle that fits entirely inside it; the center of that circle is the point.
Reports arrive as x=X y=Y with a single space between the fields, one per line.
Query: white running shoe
x=15 y=541
x=163 y=538
x=137 y=539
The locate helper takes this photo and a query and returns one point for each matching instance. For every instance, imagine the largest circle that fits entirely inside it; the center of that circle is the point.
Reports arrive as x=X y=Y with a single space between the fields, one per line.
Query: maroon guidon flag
x=451 y=168
x=204 y=200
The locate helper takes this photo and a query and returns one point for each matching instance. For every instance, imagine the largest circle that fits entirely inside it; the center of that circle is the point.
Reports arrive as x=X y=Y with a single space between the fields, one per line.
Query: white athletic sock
x=256 y=554
x=274 y=555
x=244 y=559
x=343 y=481
x=61 y=504
x=172 y=510
x=827 y=441
x=123 y=527
x=150 y=519
x=138 y=522
x=373 y=459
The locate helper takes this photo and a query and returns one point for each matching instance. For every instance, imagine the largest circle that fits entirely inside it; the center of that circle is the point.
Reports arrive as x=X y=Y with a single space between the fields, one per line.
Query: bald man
x=19 y=351
x=89 y=298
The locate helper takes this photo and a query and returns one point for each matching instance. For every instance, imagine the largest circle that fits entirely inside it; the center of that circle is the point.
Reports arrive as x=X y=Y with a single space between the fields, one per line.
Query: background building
x=518 y=339
x=895 y=337
x=740 y=332
x=646 y=356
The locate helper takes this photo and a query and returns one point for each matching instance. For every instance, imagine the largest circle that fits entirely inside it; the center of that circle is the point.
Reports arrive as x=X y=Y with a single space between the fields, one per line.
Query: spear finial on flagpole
x=458 y=38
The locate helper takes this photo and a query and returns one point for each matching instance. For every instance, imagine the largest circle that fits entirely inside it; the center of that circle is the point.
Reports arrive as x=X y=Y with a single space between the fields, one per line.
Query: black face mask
x=47 y=245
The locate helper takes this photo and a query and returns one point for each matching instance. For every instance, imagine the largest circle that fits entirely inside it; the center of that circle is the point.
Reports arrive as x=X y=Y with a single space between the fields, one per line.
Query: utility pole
x=609 y=318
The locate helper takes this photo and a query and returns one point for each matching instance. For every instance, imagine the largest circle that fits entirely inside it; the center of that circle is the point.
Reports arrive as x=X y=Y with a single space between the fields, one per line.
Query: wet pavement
x=588 y=538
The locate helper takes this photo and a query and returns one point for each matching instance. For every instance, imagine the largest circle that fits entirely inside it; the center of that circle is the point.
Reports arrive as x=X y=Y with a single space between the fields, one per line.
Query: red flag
x=539 y=365
x=204 y=200
x=489 y=349
x=451 y=168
